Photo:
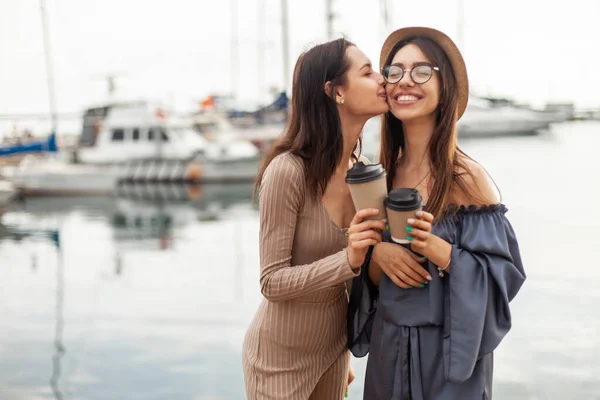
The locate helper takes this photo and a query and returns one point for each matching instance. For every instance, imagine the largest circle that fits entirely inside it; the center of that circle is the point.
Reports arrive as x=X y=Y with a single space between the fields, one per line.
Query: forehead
x=408 y=55
x=357 y=57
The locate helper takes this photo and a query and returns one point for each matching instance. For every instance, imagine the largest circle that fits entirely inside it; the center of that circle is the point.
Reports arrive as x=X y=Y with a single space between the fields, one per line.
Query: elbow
x=267 y=290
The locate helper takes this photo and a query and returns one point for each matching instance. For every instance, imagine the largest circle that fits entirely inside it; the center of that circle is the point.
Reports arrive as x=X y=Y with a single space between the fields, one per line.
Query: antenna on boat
x=49 y=66
x=111 y=83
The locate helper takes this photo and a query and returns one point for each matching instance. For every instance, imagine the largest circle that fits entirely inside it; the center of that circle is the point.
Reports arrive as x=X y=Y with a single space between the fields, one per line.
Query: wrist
x=439 y=252
x=354 y=268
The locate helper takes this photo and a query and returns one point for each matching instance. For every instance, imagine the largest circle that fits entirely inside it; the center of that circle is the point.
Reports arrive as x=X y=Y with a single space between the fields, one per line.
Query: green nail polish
x=409 y=238
x=411 y=287
x=422 y=285
x=408 y=229
x=387 y=227
x=346 y=395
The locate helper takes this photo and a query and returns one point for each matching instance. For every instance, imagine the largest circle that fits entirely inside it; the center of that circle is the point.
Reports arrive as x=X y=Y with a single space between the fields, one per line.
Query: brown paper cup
x=397 y=223
x=370 y=195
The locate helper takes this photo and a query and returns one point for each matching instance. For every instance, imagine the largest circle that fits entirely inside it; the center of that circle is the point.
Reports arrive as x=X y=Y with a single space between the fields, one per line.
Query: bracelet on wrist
x=441 y=270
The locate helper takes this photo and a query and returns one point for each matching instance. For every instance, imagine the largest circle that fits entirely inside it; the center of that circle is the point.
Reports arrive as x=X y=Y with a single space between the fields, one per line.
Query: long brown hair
x=448 y=165
x=314 y=130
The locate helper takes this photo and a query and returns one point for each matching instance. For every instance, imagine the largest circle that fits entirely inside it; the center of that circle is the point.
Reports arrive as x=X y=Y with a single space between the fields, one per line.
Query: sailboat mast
x=49 y=66
x=329 y=18
x=285 y=44
x=234 y=48
x=260 y=44
x=460 y=26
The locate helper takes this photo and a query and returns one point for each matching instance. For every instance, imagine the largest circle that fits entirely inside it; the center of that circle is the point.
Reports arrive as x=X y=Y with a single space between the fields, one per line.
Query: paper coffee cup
x=402 y=204
x=368 y=187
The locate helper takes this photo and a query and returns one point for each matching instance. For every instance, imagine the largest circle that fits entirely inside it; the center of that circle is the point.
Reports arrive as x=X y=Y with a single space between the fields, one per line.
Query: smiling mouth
x=406 y=98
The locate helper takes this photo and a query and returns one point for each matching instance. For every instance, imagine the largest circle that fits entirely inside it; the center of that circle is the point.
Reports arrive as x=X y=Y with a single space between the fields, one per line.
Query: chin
x=383 y=110
x=377 y=111
x=407 y=115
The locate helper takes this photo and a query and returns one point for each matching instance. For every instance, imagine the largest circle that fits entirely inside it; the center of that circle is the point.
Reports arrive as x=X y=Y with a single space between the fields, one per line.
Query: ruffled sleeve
x=486 y=273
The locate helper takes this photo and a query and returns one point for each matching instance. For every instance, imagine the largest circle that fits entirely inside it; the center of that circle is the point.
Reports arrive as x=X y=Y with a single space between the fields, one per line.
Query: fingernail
x=428 y=277
x=411 y=287
x=419 y=213
x=387 y=227
x=409 y=238
x=422 y=285
x=408 y=229
x=346 y=395
x=425 y=258
x=410 y=220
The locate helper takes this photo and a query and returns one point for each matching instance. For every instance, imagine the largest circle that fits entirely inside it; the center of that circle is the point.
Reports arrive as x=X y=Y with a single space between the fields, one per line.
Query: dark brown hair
x=314 y=131
x=448 y=161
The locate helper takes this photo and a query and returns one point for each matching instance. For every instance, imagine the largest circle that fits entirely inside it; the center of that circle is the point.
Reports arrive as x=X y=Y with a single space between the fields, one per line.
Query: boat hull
x=7 y=193
x=59 y=178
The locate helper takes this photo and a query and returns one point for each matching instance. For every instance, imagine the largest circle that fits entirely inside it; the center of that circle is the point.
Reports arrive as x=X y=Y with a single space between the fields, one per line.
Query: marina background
x=126 y=274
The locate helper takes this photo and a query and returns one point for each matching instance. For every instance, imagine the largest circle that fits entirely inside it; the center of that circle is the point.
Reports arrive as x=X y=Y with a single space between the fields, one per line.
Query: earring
x=342 y=101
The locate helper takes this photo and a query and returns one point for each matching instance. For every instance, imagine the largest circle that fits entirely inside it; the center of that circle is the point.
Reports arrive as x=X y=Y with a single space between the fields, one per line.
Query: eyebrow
x=366 y=65
x=414 y=64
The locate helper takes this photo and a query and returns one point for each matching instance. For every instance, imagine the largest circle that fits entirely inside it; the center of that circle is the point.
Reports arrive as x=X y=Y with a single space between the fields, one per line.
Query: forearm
x=439 y=252
x=375 y=270
x=282 y=281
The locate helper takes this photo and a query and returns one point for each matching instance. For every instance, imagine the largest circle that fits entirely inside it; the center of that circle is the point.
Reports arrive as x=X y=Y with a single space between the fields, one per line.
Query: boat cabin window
x=118 y=135
x=152 y=134
x=136 y=134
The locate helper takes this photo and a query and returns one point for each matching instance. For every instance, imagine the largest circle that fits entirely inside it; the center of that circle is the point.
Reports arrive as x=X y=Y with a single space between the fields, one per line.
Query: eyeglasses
x=419 y=74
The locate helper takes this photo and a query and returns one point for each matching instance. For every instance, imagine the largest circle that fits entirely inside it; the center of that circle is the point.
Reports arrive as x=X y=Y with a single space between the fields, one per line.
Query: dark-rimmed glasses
x=419 y=74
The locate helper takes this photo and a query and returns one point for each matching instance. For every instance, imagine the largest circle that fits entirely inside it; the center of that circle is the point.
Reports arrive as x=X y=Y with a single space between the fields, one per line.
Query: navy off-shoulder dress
x=437 y=343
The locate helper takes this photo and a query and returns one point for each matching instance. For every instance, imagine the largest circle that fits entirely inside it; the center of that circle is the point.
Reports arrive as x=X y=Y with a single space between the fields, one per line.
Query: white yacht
x=484 y=119
x=135 y=143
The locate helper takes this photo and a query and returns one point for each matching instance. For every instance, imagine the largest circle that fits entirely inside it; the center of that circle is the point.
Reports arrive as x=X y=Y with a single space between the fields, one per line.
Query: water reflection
x=147 y=294
x=58 y=333
x=132 y=277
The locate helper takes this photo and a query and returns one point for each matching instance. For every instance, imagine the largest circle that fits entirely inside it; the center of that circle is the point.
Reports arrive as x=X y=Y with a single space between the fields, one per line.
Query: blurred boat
x=135 y=143
x=486 y=118
x=33 y=146
x=216 y=127
x=8 y=192
x=247 y=115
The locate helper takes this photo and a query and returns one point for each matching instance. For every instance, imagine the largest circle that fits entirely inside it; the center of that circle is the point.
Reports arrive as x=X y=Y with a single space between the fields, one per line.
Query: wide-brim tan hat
x=449 y=47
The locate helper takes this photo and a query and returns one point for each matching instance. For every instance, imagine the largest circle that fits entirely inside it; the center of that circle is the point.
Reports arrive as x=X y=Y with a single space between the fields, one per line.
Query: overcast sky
x=179 y=51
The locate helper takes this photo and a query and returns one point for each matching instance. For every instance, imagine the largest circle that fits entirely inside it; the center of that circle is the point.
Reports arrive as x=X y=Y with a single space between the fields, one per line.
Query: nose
x=406 y=80
x=380 y=79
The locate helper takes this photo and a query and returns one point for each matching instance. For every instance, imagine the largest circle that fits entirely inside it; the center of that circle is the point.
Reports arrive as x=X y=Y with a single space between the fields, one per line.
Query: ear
x=338 y=96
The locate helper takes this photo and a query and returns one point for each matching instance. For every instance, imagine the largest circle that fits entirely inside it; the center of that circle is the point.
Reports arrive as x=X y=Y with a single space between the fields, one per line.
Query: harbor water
x=148 y=295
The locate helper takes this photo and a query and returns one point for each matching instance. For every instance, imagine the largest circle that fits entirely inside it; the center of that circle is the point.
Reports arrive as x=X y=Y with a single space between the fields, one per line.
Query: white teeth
x=406 y=97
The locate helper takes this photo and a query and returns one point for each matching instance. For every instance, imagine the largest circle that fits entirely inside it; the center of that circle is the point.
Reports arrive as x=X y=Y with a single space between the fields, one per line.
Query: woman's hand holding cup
x=363 y=233
x=419 y=231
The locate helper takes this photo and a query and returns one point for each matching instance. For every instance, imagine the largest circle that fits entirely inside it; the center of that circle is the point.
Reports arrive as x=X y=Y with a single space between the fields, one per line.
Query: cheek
x=363 y=94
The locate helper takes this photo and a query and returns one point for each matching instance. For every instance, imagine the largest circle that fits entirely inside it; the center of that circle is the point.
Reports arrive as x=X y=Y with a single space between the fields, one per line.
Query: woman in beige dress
x=312 y=240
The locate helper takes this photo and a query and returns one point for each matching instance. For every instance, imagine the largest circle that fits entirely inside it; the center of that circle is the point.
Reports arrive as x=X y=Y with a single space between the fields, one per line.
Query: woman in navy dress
x=444 y=307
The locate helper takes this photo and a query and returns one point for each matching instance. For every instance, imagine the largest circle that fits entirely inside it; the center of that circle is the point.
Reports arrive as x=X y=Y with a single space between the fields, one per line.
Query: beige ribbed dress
x=295 y=347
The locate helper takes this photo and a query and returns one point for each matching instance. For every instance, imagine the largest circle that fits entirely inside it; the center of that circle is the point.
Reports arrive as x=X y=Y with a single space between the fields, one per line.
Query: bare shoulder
x=481 y=189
